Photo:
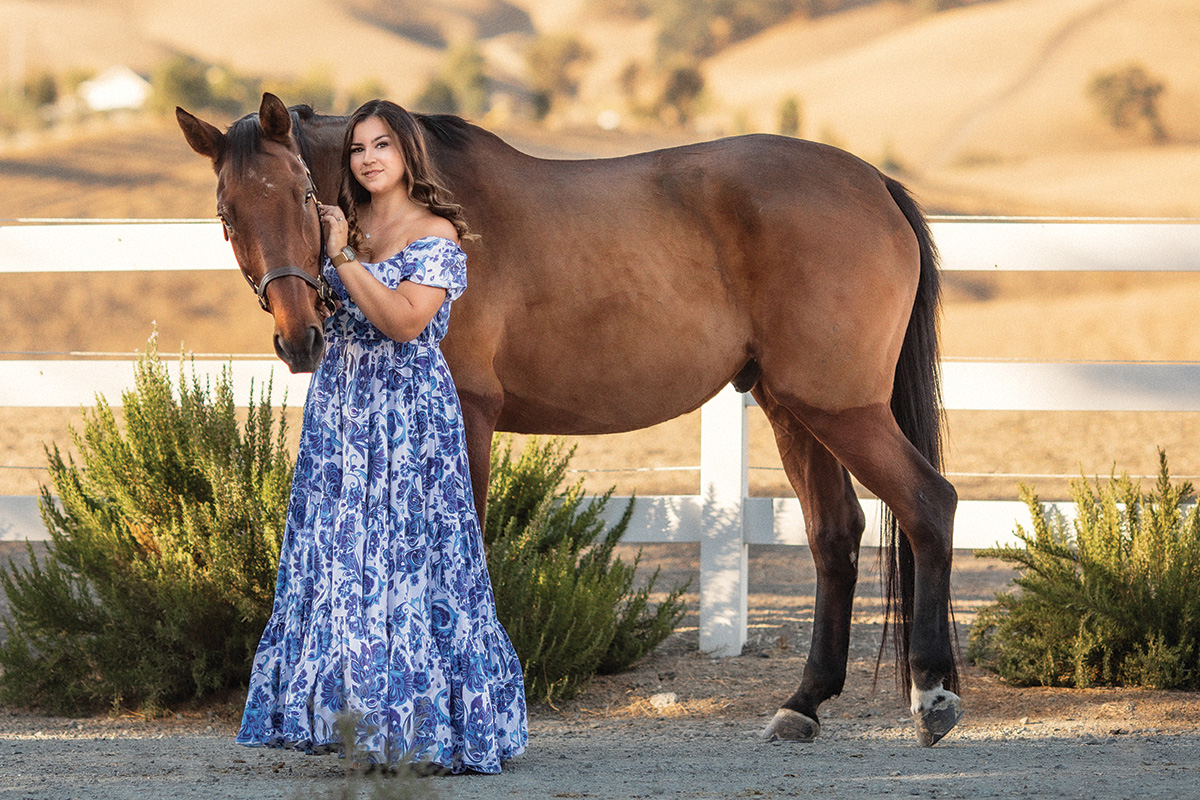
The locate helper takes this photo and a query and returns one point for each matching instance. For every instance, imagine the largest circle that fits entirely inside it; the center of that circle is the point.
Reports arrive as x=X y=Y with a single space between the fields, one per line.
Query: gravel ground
x=682 y=725
x=615 y=758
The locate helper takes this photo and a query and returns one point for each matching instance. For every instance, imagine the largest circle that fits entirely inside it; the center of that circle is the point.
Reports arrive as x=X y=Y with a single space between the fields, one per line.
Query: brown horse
x=613 y=294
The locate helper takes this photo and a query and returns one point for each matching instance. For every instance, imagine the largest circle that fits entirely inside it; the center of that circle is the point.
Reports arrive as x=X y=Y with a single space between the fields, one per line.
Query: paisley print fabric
x=383 y=606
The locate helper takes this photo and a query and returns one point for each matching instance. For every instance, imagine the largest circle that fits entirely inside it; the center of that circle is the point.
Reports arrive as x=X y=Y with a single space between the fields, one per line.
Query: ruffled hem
x=462 y=710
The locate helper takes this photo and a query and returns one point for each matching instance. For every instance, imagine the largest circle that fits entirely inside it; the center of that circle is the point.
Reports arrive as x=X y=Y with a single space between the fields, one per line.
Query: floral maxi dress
x=383 y=606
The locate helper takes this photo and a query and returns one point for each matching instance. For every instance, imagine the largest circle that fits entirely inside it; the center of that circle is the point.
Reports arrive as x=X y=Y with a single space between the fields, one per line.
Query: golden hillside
x=982 y=108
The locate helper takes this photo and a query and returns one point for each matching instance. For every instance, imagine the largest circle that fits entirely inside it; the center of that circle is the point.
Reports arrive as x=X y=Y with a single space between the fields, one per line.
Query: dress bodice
x=430 y=261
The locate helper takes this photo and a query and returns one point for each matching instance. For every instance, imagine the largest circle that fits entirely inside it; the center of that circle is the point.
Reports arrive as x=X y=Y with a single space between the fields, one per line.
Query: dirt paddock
x=683 y=725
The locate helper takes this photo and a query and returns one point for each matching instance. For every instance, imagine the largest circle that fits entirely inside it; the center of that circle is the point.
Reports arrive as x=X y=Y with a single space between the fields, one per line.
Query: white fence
x=723 y=519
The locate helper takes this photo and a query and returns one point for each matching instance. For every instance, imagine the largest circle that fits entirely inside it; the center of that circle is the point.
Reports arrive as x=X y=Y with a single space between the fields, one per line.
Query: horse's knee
x=835 y=552
x=835 y=539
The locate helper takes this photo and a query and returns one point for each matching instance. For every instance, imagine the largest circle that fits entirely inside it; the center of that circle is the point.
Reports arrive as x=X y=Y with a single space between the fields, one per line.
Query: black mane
x=450 y=130
x=244 y=138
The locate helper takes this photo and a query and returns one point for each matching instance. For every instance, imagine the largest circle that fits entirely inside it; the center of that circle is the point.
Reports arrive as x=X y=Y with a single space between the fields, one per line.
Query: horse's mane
x=245 y=137
x=450 y=130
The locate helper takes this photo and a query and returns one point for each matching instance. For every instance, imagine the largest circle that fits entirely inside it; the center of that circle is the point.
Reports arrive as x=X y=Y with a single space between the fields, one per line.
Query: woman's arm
x=400 y=313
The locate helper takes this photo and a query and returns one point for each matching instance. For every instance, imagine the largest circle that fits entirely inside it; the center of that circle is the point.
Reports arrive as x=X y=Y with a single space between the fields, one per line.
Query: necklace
x=378 y=228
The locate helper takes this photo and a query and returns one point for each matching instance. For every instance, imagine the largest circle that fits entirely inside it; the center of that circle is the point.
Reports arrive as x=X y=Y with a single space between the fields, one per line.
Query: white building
x=116 y=88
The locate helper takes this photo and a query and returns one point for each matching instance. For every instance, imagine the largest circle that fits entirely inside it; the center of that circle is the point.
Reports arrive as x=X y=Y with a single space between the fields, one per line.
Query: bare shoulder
x=438 y=226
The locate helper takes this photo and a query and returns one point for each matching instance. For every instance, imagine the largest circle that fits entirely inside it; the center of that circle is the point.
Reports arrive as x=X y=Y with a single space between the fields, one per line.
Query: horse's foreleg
x=480 y=412
x=834 y=523
x=869 y=443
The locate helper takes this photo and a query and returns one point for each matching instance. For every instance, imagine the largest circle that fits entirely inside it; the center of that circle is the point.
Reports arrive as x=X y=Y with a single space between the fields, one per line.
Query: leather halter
x=324 y=291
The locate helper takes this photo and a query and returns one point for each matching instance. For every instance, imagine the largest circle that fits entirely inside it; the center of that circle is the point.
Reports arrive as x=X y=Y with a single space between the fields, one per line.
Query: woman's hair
x=420 y=176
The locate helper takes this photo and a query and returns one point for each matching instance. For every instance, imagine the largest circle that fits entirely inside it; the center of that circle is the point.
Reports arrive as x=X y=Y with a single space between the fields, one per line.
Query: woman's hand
x=334 y=226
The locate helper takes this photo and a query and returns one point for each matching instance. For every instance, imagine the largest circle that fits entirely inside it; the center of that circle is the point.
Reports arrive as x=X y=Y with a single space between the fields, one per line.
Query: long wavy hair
x=420 y=176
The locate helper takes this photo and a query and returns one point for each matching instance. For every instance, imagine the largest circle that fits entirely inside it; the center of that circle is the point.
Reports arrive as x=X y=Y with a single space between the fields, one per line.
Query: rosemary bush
x=165 y=538
x=568 y=605
x=1108 y=600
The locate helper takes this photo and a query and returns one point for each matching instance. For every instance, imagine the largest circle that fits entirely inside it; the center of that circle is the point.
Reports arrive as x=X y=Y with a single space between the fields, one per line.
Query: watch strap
x=342 y=256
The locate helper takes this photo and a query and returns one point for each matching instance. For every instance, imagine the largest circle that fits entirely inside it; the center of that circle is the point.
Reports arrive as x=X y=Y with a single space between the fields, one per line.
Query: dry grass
x=142 y=168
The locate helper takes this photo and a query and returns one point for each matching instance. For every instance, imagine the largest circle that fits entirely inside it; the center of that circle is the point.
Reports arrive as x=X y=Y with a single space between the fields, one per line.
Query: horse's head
x=267 y=203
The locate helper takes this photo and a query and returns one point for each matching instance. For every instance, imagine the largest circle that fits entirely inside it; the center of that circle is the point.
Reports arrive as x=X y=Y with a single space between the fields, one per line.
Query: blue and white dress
x=383 y=605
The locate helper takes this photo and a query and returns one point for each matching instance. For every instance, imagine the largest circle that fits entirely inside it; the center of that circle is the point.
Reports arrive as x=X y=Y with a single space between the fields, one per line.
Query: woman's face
x=376 y=160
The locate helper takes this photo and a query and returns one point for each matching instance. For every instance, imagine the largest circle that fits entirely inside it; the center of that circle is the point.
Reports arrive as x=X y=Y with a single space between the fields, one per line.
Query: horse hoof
x=791 y=726
x=936 y=716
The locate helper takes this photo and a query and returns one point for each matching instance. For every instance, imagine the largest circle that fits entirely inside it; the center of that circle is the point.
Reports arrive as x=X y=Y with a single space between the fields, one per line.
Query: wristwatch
x=342 y=256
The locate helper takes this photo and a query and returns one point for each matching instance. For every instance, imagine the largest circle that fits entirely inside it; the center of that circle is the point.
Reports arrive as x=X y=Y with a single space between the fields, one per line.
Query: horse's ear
x=275 y=119
x=204 y=138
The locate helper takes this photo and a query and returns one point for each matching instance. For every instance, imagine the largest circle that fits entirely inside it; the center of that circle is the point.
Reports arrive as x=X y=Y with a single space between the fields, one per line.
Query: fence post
x=724 y=484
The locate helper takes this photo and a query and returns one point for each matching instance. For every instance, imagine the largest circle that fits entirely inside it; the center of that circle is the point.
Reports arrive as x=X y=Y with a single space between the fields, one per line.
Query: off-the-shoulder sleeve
x=439 y=262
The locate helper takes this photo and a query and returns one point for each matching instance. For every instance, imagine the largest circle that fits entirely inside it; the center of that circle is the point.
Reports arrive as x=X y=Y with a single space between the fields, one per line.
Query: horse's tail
x=917 y=407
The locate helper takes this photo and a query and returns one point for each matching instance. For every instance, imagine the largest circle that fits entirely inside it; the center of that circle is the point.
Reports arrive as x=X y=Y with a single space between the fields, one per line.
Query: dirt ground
x=681 y=724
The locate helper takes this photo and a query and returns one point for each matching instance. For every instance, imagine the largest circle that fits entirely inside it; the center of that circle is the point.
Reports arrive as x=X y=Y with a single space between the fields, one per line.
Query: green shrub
x=568 y=606
x=164 y=547
x=1109 y=600
x=161 y=569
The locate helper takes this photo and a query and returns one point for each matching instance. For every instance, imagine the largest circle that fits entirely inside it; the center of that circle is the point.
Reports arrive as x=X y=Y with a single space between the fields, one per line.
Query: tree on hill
x=461 y=85
x=554 y=64
x=1128 y=95
x=681 y=94
x=790 y=118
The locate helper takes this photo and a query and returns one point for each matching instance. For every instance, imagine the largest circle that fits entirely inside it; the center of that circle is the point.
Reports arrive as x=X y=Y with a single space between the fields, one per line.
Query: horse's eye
x=226 y=228
x=308 y=197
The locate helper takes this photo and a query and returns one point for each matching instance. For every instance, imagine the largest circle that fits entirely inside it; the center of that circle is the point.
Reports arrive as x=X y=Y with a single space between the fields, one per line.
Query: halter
x=324 y=291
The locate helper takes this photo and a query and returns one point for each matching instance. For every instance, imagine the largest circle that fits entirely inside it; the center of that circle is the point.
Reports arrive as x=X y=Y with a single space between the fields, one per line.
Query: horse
x=613 y=294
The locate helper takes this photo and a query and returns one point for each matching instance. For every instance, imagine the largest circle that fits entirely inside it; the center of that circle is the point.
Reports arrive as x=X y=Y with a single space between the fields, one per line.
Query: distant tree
x=195 y=84
x=182 y=81
x=681 y=93
x=315 y=88
x=630 y=80
x=696 y=29
x=437 y=98
x=555 y=65
x=461 y=85
x=789 y=116
x=361 y=92
x=70 y=80
x=464 y=72
x=42 y=90
x=1128 y=94
x=234 y=92
x=933 y=6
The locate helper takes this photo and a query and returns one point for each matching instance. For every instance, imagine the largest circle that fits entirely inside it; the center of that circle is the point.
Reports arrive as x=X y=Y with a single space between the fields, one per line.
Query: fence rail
x=722 y=518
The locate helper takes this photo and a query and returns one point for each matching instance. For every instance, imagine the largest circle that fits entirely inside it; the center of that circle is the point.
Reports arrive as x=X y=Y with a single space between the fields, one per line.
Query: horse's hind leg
x=869 y=443
x=834 y=523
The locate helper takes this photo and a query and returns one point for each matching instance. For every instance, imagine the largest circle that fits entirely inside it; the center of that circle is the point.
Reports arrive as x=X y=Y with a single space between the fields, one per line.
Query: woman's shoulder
x=434 y=231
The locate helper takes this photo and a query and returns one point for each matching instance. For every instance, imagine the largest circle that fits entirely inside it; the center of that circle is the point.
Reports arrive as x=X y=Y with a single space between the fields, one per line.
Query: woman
x=383 y=606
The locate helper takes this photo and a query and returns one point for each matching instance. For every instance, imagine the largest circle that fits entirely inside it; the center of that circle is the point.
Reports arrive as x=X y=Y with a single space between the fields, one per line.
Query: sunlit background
x=1012 y=107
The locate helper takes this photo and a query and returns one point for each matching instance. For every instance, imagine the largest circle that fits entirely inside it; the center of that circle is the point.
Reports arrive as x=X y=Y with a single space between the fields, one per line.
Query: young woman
x=383 y=606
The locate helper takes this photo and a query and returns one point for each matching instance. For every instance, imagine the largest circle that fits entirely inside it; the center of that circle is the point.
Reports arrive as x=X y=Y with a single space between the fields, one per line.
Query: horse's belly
x=614 y=403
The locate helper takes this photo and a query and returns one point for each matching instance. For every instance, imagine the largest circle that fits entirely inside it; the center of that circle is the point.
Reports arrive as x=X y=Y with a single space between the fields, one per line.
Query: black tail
x=917 y=407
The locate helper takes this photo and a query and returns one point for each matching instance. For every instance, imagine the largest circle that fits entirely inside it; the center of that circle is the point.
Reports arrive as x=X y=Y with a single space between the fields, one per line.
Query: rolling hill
x=983 y=109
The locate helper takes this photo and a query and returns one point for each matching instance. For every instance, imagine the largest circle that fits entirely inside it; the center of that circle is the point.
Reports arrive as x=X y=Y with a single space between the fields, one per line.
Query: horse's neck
x=472 y=165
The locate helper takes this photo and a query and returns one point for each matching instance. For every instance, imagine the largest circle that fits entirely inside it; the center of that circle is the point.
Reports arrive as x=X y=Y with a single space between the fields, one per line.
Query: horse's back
x=666 y=273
